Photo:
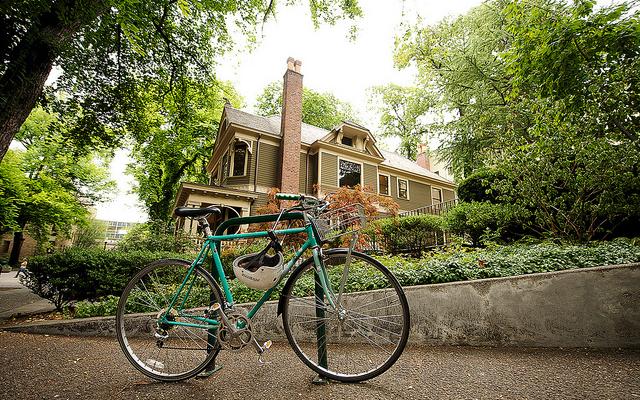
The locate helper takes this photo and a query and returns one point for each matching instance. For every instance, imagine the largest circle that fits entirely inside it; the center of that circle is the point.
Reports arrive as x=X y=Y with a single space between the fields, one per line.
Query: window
x=347 y=141
x=239 y=159
x=436 y=196
x=403 y=189
x=383 y=184
x=349 y=173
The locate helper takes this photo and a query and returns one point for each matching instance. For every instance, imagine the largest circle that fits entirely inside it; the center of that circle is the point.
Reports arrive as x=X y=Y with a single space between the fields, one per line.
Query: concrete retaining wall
x=591 y=307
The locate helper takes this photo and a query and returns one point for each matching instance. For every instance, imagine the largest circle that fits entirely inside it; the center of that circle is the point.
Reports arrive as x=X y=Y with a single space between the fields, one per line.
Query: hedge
x=457 y=263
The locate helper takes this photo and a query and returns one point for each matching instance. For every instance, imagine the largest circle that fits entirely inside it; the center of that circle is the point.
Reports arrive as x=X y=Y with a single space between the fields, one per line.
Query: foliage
x=154 y=236
x=459 y=65
x=548 y=94
x=13 y=188
x=373 y=203
x=49 y=184
x=456 y=263
x=80 y=274
x=481 y=186
x=402 y=112
x=103 y=47
x=484 y=221
x=89 y=233
x=323 y=110
x=411 y=234
x=173 y=139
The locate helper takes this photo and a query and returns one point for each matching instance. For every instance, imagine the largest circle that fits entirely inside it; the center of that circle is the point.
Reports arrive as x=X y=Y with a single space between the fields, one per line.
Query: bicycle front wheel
x=366 y=331
x=168 y=343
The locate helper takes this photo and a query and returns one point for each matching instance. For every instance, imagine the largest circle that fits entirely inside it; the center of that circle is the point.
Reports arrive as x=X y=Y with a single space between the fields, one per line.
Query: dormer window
x=347 y=141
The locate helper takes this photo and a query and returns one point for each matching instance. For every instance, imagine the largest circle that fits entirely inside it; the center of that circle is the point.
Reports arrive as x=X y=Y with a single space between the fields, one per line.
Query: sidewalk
x=16 y=299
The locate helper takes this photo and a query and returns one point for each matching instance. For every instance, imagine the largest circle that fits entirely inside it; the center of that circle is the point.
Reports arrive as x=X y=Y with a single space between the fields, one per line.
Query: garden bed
x=457 y=263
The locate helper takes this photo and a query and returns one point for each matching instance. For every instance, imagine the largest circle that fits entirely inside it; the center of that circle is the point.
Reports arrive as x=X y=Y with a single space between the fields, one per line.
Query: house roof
x=271 y=124
x=311 y=134
x=395 y=160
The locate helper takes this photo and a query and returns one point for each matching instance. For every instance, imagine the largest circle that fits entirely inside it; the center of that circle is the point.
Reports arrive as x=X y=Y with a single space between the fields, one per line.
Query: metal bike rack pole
x=321 y=329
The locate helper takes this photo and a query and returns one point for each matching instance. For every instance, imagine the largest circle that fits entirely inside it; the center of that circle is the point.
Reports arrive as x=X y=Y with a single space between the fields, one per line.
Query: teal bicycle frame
x=212 y=246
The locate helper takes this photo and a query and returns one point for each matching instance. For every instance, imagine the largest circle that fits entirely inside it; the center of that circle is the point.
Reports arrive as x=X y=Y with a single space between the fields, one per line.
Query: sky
x=330 y=63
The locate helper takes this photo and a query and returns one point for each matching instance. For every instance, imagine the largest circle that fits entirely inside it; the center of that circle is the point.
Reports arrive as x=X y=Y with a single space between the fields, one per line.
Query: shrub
x=481 y=186
x=453 y=263
x=80 y=274
x=457 y=264
x=407 y=234
x=154 y=236
x=484 y=221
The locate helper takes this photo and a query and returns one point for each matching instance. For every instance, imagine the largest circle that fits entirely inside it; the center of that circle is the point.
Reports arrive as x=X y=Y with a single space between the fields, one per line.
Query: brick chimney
x=423 y=156
x=290 y=127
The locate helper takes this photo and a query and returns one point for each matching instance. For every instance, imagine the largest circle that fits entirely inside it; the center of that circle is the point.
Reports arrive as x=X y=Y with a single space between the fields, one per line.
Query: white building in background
x=115 y=231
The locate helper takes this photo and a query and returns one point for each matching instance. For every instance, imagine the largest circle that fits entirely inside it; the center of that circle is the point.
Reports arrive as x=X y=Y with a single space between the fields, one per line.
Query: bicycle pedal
x=215 y=306
x=261 y=360
x=267 y=345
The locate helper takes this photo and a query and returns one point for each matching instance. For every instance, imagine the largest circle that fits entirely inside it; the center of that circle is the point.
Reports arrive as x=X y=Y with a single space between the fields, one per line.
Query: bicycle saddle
x=196 y=212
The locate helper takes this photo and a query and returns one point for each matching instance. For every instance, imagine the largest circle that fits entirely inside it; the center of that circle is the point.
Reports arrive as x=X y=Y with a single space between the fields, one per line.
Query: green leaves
x=173 y=138
x=548 y=93
x=403 y=112
x=318 y=109
x=49 y=184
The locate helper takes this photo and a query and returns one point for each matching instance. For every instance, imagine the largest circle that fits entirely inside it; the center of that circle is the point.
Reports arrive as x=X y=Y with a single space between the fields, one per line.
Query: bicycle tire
x=187 y=350
x=365 y=333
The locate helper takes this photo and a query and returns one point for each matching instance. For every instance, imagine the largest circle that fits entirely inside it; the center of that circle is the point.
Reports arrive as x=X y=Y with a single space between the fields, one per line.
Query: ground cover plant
x=455 y=263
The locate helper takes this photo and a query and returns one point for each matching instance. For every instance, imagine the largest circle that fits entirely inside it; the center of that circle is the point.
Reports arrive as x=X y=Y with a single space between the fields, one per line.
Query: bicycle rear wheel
x=158 y=349
x=363 y=337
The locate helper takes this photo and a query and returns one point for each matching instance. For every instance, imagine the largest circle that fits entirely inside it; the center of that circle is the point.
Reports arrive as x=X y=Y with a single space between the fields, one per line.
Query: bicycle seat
x=196 y=212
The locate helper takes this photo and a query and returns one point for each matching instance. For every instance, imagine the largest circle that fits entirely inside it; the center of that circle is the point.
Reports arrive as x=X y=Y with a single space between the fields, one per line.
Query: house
x=253 y=154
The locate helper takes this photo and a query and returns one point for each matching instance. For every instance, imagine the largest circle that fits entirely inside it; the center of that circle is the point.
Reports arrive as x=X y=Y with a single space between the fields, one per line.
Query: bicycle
x=174 y=316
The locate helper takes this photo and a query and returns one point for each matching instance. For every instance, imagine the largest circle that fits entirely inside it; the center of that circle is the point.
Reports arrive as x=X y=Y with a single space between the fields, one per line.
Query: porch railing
x=434 y=209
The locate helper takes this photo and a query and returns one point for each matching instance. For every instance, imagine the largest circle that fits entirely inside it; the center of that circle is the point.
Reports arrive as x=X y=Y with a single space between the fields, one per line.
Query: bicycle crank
x=235 y=331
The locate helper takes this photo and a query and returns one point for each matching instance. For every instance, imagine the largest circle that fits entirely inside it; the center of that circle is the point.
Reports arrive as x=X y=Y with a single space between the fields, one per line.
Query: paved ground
x=15 y=299
x=56 y=367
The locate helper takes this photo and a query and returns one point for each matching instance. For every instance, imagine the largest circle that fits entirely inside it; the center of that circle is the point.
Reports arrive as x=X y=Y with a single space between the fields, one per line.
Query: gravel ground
x=56 y=367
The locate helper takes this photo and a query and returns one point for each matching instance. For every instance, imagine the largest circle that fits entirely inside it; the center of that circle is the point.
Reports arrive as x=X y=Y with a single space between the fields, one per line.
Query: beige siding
x=370 y=177
x=261 y=201
x=303 y=173
x=448 y=195
x=419 y=194
x=329 y=173
x=268 y=170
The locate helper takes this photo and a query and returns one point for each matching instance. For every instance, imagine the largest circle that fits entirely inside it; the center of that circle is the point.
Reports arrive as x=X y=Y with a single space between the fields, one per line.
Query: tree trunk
x=32 y=59
x=14 y=257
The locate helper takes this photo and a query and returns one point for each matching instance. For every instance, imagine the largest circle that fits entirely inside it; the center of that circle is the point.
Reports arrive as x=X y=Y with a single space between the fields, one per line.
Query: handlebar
x=288 y=196
x=307 y=202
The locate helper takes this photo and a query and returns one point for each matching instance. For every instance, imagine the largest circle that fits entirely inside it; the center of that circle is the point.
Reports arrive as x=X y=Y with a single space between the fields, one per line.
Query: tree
x=51 y=183
x=102 y=46
x=173 y=138
x=460 y=65
x=402 y=114
x=323 y=110
x=548 y=93
x=89 y=233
